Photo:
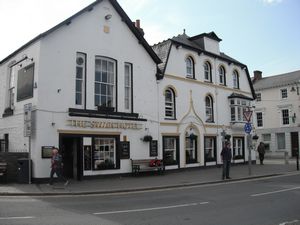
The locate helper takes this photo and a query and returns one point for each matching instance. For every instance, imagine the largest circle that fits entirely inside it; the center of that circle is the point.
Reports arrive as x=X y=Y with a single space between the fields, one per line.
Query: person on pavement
x=226 y=157
x=261 y=151
x=56 y=167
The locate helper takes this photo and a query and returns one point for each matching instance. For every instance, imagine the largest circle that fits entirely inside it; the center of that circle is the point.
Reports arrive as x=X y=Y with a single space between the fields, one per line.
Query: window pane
x=280 y=140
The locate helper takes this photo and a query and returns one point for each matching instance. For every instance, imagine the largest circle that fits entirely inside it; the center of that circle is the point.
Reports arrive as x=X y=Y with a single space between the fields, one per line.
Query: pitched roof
x=280 y=80
x=120 y=11
x=163 y=49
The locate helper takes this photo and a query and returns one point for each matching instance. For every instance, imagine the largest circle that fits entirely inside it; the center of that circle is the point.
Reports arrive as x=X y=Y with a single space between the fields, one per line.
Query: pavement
x=143 y=182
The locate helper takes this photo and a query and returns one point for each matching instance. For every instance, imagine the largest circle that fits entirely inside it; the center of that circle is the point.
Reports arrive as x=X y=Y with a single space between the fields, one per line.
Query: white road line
x=274 y=192
x=150 y=209
x=17 y=218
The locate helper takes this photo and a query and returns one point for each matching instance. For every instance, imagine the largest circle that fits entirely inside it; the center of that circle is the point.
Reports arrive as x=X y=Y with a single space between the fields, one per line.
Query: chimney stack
x=257 y=75
x=138 y=26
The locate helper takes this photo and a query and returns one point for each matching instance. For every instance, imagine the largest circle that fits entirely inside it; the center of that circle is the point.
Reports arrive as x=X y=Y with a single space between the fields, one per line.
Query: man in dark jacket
x=226 y=158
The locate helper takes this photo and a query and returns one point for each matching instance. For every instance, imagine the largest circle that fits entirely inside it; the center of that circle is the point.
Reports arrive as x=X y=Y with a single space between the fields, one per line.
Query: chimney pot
x=138 y=23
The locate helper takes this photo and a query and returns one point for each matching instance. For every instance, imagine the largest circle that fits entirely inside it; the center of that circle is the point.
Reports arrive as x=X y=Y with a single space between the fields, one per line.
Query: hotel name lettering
x=102 y=124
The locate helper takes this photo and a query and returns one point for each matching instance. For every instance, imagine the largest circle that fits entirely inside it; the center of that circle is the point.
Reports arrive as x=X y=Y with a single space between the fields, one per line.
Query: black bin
x=23 y=171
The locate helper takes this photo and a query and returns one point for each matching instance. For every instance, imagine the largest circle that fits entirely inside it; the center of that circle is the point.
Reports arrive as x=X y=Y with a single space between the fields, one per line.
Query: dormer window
x=222 y=77
x=190 y=72
x=207 y=72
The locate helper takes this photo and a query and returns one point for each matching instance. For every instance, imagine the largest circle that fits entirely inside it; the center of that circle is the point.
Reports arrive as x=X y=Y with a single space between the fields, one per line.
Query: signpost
x=27 y=133
x=248 y=128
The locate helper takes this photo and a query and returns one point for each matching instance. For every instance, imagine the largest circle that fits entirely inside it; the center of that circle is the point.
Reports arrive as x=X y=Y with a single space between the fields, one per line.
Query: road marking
x=274 y=192
x=150 y=209
x=17 y=218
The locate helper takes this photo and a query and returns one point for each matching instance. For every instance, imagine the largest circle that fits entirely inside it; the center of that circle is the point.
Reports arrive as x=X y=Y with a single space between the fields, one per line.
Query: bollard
x=286 y=158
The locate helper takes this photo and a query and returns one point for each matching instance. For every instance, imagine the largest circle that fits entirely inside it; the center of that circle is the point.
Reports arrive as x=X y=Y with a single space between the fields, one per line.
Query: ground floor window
x=191 y=149
x=280 y=141
x=238 y=148
x=170 y=148
x=210 y=149
x=104 y=153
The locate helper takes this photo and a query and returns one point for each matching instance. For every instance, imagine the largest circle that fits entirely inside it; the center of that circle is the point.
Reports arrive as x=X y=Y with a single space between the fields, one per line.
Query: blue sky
x=263 y=34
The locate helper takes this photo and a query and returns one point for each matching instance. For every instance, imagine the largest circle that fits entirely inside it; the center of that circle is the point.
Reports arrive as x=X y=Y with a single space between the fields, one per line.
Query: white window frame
x=209 y=147
x=107 y=89
x=281 y=146
x=237 y=108
x=80 y=89
x=209 y=109
x=207 y=71
x=238 y=147
x=258 y=97
x=283 y=93
x=169 y=104
x=104 y=149
x=127 y=87
x=172 y=148
x=259 y=119
x=235 y=79
x=285 y=117
x=190 y=147
x=189 y=62
x=222 y=78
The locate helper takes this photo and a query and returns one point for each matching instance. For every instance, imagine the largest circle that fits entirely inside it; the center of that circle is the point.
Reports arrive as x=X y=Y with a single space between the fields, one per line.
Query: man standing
x=226 y=158
x=261 y=151
x=56 y=166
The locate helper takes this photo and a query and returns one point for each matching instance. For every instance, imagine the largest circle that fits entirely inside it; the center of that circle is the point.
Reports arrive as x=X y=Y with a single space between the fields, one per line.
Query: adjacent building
x=94 y=87
x=277 y=111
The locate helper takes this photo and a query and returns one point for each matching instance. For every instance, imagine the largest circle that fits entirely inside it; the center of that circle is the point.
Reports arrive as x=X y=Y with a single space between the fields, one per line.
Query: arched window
x=189 y=67
x=222 y=77
x=235 y=78
x=207 y=72
x=169 y=104
x=209 y=109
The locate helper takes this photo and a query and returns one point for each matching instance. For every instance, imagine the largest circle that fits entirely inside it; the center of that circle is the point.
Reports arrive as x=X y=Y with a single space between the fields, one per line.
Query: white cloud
x=272 y=1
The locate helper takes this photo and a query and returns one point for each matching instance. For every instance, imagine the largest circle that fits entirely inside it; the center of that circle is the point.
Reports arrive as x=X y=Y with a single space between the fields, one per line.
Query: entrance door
x=72 y=157
x=295 y=143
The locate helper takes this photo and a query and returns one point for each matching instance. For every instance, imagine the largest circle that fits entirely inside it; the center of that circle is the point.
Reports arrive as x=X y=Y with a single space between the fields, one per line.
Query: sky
x=263 y=34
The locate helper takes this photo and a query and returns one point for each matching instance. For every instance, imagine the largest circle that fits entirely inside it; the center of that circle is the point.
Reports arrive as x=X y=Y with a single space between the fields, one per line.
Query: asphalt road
x=272 y=201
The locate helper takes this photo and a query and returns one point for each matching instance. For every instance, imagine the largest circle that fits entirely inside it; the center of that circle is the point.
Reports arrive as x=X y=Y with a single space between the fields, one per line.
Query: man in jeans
x=56 y=166
x=226 y=158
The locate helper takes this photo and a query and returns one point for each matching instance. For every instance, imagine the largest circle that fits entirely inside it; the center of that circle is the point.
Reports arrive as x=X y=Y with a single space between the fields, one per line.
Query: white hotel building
x=97 y=90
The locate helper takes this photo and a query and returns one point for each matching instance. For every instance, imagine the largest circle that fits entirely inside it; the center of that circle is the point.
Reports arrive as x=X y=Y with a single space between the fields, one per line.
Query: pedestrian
x=226 y=157
x=56 y=167
x=261 y=151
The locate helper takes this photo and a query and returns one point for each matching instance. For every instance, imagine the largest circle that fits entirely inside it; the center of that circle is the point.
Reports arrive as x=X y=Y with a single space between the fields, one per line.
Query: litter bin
x=23 y=171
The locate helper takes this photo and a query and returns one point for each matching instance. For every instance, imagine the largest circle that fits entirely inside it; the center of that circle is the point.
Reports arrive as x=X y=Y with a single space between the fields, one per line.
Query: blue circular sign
x=248 y=128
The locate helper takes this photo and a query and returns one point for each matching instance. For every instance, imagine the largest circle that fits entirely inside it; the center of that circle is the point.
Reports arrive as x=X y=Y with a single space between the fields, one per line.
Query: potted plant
x=227 y=137
x=147 y=138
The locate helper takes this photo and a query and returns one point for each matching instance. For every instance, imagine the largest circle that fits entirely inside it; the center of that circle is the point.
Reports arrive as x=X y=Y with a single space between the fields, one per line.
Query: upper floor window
x=237 y=108
x=284 y=93
x=258 y=97
x=235 y=78
x=189 y=67
x=105 y=87
x=169 y=104
x=207 y=72
x=209 y=110
x=259 y=119
x=128 y=86
x=11 y=86
x=25 y=83
x=222 y=77
x=80 y=78
x=285 y=117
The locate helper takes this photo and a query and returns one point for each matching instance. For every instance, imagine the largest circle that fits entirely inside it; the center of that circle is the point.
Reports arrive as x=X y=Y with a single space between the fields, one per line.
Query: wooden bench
x=143 y=165
x=3 y=169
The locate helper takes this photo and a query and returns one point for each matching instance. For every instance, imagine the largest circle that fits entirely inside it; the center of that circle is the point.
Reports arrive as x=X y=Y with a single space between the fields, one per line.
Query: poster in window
x=125 y=150
x=153 y=148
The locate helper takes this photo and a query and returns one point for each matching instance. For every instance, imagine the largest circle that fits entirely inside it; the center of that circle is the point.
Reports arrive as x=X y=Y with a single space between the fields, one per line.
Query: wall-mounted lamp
x=108 y=17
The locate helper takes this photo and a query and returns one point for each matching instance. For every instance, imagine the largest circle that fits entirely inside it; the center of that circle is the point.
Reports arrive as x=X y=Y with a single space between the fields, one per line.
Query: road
x=270 y=201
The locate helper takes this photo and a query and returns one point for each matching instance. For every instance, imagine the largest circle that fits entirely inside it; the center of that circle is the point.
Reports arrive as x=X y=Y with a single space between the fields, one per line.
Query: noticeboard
x=125 y=150
x=153 y=148
x=47 y=151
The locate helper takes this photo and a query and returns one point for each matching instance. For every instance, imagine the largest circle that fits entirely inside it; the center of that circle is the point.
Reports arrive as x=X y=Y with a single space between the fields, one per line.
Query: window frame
x=190 y=67
x=285 y=117
x=128 y=87
x=259 y=119
x=235 y=79
x=222 y=75
x=258 y=97
x=238 y=147
x=283 y=93
x=237 y=108
x=210 y=150
x=174 y=151
x=209 y=110
x=207 y=71
x=113 y=85
x=170 y=106
x=82 y=93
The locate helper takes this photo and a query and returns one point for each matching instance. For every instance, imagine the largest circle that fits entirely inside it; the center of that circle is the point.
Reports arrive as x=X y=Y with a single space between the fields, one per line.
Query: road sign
x=27 y=120
x=247 y=114
x=248 y=128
